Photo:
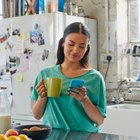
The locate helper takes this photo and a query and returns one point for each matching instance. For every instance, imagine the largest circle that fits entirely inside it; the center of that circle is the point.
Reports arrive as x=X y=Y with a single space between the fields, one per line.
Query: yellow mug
x=53 y=86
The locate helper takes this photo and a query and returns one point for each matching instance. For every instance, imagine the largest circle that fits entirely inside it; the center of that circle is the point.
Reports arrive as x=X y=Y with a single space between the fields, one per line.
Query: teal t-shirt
x=65 y=112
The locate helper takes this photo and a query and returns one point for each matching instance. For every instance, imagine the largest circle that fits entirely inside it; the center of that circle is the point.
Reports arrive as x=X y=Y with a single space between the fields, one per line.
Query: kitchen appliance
x=31 y=44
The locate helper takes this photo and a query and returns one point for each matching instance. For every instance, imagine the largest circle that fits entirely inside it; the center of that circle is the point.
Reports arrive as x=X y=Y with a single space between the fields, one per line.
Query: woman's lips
x=74 y=55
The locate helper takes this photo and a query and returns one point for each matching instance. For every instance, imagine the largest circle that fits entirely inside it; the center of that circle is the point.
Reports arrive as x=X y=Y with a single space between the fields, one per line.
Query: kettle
x=5 y=112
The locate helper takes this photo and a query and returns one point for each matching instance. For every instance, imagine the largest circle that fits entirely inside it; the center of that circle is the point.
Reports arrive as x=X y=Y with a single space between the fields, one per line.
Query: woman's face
x=75 y=47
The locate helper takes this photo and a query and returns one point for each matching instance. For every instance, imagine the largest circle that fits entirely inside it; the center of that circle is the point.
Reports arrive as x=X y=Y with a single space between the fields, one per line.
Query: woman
x=84 y=111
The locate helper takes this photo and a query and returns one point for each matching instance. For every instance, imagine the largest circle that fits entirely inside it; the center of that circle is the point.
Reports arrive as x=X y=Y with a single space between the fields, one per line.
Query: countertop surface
x=58 y=134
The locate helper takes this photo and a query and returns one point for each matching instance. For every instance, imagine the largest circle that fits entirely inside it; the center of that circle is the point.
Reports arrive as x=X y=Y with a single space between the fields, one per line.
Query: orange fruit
x=13 y=138
x=3 y=137
x=23 y=137
x=35 y=128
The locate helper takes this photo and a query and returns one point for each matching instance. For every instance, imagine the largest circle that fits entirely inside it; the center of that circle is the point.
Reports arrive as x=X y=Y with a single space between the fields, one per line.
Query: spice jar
x=5 y=112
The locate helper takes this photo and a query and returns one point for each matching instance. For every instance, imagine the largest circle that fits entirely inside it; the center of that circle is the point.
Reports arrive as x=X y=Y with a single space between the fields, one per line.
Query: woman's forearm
x=92 y=111
x=39 y=107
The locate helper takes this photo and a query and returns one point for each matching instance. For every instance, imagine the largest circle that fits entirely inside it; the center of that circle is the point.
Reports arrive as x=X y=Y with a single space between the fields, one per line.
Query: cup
x=53 y=86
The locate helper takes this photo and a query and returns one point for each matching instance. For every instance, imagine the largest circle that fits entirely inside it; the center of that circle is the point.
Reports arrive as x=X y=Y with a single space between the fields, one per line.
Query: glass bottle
x=5 y=112
x=74 y=9
x=81 y=12
x=48 y=6
x=54 y=5
x=66 y=8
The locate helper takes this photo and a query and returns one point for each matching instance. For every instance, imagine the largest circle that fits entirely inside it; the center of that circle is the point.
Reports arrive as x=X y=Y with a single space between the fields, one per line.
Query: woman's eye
x=70 y=44
x=82 y=46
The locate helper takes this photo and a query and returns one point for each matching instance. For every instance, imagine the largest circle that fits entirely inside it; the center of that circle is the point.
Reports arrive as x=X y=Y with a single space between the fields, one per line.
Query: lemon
x=3 y=137
x=23 y=137
x=13 y=138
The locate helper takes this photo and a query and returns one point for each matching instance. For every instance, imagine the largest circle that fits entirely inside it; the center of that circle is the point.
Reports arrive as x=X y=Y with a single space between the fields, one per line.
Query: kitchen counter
x=58 y=134
x=124 y=102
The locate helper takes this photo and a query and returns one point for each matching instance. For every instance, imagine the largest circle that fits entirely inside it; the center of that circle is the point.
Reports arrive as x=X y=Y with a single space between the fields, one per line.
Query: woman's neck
x=72 y=69
x=71 y=66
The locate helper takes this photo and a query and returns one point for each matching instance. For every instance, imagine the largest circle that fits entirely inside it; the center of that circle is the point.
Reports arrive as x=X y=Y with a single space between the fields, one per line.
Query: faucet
x=118 y=99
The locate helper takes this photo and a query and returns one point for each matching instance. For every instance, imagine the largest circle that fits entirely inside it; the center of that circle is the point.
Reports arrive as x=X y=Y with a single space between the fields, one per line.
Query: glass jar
x=54 y=5
x=48 y=6
x=5 y=112
x=51 y=6
x=81 y=12
x=73 y=9
x=66 y=8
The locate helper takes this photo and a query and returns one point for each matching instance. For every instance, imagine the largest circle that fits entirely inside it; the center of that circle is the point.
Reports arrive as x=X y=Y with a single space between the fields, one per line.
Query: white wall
x=111 y=18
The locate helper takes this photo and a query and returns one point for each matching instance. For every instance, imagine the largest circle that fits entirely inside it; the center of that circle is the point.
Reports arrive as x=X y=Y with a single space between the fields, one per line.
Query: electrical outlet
x=104 y=57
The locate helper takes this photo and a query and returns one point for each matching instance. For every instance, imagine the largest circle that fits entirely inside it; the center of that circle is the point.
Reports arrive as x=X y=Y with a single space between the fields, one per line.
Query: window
x=134 y=37
x=134 y=20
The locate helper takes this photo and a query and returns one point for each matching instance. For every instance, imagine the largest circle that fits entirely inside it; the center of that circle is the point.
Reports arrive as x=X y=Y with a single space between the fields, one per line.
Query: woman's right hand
x=41 y=89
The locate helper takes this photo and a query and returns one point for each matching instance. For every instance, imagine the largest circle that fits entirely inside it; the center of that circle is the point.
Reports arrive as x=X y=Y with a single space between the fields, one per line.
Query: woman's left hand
x=78 y=93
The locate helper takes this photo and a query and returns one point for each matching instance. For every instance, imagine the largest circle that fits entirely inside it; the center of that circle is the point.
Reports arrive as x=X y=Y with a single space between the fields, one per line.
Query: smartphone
x=75 y=83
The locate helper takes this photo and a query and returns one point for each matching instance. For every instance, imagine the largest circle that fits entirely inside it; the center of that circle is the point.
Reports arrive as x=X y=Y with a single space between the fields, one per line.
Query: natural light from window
x=134 y=20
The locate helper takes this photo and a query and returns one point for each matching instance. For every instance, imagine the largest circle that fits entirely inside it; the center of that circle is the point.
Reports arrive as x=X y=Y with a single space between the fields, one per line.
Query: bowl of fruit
x=35 y=132
x=12 y=134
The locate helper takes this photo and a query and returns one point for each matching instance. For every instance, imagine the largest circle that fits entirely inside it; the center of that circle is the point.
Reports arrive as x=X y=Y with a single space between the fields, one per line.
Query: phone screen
x=75 y=83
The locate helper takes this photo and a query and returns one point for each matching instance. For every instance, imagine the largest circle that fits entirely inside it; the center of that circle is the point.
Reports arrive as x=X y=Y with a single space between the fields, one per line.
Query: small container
x=60 y=5
x=138 y=50
x=66 y=8
x=5 y=112
x=138 y=77
x=47 y=6
x=51 y=6
x=81 y=12
x=73 y=9
x=54 y=5
x=41 y=6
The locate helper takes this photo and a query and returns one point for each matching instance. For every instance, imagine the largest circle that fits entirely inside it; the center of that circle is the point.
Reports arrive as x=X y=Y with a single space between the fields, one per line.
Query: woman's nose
x=75 y=49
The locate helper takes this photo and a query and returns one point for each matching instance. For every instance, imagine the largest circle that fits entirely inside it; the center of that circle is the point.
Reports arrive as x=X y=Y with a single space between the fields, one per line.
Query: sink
x=125 y=106
x=122 y=119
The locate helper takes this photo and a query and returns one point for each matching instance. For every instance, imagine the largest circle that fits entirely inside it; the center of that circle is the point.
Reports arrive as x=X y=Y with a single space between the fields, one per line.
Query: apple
x=11 y=132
